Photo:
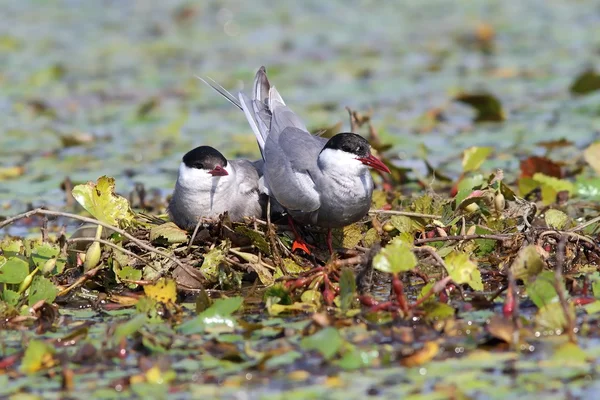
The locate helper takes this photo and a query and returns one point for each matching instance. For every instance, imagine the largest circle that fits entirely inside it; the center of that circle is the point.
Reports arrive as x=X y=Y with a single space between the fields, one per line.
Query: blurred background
x=91 y=88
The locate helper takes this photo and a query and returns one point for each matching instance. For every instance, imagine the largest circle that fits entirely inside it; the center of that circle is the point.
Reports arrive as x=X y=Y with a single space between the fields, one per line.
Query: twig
x=436 y=288
x=353 y=121
x=499 y=237
x=111 y=244
x=585 y=224
x=196 y=229
x=44 y=229
x=40 y=211
x=560 y=260
x=569 y=234
x=80 y=281
x=405 y=213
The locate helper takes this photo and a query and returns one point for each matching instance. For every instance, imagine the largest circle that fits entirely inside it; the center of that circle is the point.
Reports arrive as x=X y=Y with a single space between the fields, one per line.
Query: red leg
x=299 y=243
x=330 y=241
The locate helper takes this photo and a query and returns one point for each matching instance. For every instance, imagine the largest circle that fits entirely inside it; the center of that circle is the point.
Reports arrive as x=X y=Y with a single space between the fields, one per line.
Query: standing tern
x=208 y=185
x=320 y=182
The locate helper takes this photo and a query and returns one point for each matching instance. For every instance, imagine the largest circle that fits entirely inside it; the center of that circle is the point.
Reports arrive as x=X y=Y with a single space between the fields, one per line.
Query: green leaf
x=528 y=263
x=462 y=270
x=13 y=270
x=257 y=239
x=394 y=258
x=551 y=186
x=541 y=291
x=327 y=341
x=210 y=265
x=100 y=200
x=42 y=289
x=168 y=233
x=570 y=352
x=556 y=219
x=435 y=311
x=11 y=247
x=356 y=358
x=10 y=296
x=217 y=317
x=130 y=327
x=403 y=223
x=43 y=252
x=587 y=82
x=552 y=316
x=488 y=107
x=473 y=157
x=347 y=289
x=131 y=274
x=38 y=355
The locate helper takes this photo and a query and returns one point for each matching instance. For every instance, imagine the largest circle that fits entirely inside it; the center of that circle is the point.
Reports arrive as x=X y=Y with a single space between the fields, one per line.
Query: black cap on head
x=204 y=157
x=350 y=143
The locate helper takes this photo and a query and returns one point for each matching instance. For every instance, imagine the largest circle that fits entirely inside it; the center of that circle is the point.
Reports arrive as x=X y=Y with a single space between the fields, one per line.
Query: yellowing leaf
x=473 y=157
x=169 y=233
x=551 y=186
x=100 y=200
x=396 y=257
x=528 y=263
x=165 y=291
x=592 y=156
x=462 y=270
x=556 y=219
x=38 y=355
x=420 y=357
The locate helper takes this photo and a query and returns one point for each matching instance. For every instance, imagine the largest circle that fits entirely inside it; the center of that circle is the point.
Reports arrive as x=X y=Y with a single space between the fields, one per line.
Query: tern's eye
x=198 y=165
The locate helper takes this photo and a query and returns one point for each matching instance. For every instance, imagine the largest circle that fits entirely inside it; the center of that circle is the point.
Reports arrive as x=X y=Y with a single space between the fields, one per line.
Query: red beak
x=218 y=171
x=374 y=162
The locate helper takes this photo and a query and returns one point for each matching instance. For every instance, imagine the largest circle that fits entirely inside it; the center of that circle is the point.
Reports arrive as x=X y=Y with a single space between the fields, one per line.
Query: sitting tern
x=208 y=185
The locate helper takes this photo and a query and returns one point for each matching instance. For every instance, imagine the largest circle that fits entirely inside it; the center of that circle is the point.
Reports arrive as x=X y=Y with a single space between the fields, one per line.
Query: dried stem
x=585 y=224
x=405 y=213
x=560 y=261
x=81 y=280
x=499 y=237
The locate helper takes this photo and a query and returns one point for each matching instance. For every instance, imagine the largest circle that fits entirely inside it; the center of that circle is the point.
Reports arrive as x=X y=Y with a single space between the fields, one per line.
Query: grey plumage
x=198 y=194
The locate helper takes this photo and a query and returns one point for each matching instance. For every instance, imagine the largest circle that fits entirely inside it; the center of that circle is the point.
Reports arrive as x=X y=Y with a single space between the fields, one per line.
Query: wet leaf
x=327 y=341
x=164 y=291
x=347 y=289
x=556 y=219
x=130 y=327
x=13 y=269
x=462 y=270
x=551 y=316
x=402 y=223
x=258 y=240
x=528 y=263
x=130 y=274
x=587 y=82
x=210 y=265
x=592 y=156
x=394 y=258
x=569 y=352
x=422 y=356
x=7 y=173
x=552 y=186
x=168 y=233
x=100 y=200
x=42 y=289
x=473 y=157
x=38 y=355
x=488 y=107
x=218 y=316
x=541 y=291
x=10 y=297
x=356 y=358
